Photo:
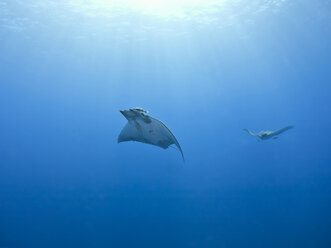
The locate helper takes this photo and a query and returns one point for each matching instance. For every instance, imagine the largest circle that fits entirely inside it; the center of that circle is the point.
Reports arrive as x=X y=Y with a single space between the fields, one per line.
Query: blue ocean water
x=207 y=69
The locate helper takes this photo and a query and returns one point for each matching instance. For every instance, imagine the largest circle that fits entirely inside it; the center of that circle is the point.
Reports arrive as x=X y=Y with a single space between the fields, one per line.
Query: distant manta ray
x=143 y=128
x=264 y=135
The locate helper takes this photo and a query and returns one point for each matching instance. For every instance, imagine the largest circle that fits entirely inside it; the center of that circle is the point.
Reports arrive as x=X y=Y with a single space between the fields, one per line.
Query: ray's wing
x=167 y=134
x=130 y=132
x=282 y=130
x=250 y=132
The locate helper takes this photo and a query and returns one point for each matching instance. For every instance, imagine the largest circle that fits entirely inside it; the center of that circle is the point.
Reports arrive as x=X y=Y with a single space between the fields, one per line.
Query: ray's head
x=139 y=110
x=134 y=113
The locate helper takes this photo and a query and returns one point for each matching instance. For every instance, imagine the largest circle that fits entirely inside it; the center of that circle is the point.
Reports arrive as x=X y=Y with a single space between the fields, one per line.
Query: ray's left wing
x=282 y=130
x=157 y=133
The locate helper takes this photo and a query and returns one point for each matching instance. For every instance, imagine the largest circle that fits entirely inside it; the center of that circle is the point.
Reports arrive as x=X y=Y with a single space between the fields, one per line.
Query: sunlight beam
x=159 y=8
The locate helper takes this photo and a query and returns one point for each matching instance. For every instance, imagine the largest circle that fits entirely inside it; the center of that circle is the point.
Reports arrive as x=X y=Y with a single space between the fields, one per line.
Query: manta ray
x=264 y=135
x=143 y=128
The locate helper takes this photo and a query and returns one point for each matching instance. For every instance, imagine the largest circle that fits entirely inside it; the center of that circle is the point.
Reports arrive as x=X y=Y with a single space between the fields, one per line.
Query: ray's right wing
x=250 y=132
x=130 y=132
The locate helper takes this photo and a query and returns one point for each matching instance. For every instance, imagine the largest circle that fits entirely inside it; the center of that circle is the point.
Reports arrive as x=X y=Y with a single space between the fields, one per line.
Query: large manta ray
x=143 y=128
x=264 y=135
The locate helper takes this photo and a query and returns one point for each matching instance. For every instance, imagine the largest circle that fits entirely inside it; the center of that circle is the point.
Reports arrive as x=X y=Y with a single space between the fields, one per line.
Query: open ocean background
x=207 y=69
